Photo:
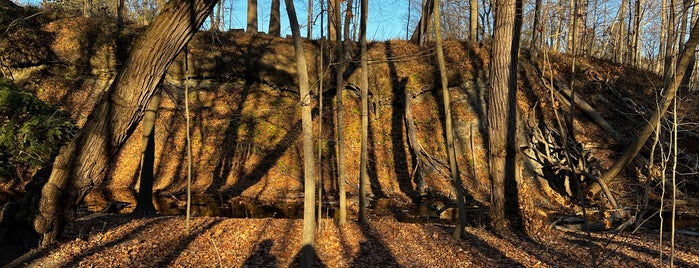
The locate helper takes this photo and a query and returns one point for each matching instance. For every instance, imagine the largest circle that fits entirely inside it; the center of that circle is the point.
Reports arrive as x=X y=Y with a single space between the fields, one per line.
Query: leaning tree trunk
x=501 y=108
x=643 y=134
x=83 y=162
x=307 y=250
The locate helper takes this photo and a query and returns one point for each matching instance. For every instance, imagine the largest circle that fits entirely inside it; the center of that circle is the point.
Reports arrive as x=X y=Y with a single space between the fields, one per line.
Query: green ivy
x=31 y=132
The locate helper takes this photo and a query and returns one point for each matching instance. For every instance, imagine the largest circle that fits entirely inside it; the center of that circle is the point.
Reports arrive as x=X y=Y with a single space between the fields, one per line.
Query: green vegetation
x=31 y=132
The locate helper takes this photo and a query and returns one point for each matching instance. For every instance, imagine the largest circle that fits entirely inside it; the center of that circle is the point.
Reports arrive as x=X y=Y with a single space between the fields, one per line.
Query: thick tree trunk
x=82 y=163
x=275 y=19
x=643 y=134
x=307 y=250
x=144 y=203
x=502 y=107
x=364 y=113
x=455 y=176
x=252 y=17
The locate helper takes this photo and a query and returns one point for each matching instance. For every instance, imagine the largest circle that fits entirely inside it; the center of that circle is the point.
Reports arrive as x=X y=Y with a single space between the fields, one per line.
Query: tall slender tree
x=307 y=251
x=502 y=106
x=473 y=24
x=339 y=86
x=364 y=112
x=455 y=176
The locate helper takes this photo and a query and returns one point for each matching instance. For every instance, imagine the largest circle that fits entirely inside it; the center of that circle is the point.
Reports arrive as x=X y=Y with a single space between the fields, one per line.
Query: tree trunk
x=309 y=20
x=339 y=86
x=619 y=43
x=455 y=176
x=275 y=19
x=502 y=107
x=536 y=33
x=144 y=203
x=252 y=17
x=473 y=26
x=307 y=251
x=87 y=8
x=643 y=134
x=348 y=20
x=83 y=162
x=420 y=33
x=364 y=113
x=635 y=53
x=333 y=16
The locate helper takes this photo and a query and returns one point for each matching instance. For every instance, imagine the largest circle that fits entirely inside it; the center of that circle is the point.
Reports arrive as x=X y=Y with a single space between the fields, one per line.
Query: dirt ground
x=111 y=240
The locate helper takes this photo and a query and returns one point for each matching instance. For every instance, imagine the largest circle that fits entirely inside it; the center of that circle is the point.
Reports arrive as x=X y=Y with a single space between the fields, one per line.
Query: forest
x=228 y=133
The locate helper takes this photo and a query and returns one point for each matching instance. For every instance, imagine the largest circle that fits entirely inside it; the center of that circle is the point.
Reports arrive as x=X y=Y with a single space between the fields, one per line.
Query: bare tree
x=307 y=251
x=340 y=69
x=364 y=112
x=642 y=136
x=455 y=176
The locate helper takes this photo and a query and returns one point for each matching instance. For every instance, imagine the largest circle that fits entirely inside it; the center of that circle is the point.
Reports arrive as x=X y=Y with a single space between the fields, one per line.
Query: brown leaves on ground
x=123 y=241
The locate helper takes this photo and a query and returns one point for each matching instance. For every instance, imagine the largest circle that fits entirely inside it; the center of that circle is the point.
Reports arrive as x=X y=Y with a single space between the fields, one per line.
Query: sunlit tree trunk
x=340 y=69
x=252 y=17
x=364 y=113
x=455 y=176
x=473 y=24
x=87 y=8
x=502 y=111
x=83 y=162
x=309 y=20
x=307 y=251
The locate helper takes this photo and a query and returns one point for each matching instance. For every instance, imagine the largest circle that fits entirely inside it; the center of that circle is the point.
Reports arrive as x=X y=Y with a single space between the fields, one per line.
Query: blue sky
x=387 y=18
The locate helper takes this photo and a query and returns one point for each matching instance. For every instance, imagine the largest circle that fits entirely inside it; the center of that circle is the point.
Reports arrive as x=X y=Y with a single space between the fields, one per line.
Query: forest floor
x=113 y=240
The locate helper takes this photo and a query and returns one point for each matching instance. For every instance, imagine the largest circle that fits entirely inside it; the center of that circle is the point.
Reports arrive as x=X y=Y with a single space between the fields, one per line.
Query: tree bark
x=252 y=17
x=339 y=86
x=455 y=176
x=364 y=113
x=333 y=16
x=83 y=162
x=275 y=19
x=420 y=33
x=144 y=203
x=309 y=20
x=473 y=26
x=642 y=136
x=502 y=107
x=307 y=251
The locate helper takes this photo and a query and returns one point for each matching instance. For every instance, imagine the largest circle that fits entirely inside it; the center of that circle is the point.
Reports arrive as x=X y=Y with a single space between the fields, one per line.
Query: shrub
x=30 y=134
